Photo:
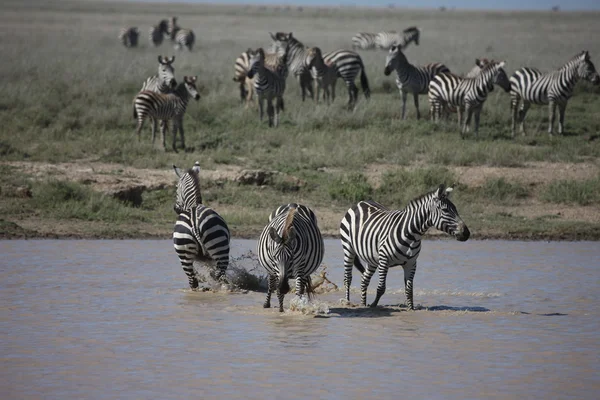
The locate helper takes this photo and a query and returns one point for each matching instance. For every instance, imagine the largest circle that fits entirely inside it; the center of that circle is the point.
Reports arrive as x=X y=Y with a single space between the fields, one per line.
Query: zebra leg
x=477 y=117
x=348 y=264
x=270 y=111
x=416 y=97
x=140 y=125
x=153 y=130
x=522 y=113
x=272 y=284
x=188 y=268
x=302 y=83
x=364 y=284
x=181 y=133
x=164 y=129
x=333 y=89
x=403 y=94
x=176 y=127
x=467 y=124
x=261 y=104
x=243 y=93
x=278 y=106
x=409 y=275
x=280 y=296
x=382 y=269
x=551 y=116
x=514 y=110
x=562 y=107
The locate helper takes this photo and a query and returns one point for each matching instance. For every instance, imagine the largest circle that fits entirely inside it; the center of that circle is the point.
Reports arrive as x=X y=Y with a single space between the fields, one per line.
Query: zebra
x=157 y=33
x=296 y=59
x=290 y=247
x=466 y=94
x=129 y=36
x=385 y=40
x=479 y=64
x=164 y=81
x=555 y=88
x=268 y=85
x=170 y=106
x=410 y=78
x=377 y=238
x=324 y=76
x=180 y=36
x=347 y=65
x=242 y=66
x=200 y=233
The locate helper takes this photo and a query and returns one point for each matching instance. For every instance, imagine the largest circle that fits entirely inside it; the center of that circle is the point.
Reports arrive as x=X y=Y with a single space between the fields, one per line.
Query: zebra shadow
x=451 y=308
x=366 y=312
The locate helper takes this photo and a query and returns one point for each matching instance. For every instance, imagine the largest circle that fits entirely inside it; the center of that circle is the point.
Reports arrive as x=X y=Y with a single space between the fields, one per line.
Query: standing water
x=114 y=319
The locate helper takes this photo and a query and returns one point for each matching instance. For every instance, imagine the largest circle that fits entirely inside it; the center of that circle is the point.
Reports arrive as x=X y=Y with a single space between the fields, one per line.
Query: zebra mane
x=289 y=220
x=193 y=174
x=576 y=59
x=427 y=196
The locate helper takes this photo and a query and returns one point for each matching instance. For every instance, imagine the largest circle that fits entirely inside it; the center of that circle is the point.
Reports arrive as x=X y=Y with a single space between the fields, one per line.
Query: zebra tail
x=358 y=265
x=364 y=82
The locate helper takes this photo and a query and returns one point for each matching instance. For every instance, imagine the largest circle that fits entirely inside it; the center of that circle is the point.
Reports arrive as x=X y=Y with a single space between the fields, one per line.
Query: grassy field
x=67 y=87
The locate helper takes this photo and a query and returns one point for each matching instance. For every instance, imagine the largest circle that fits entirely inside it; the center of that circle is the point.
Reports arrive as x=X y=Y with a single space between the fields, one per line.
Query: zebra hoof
x=280 y=309
x=267 y=305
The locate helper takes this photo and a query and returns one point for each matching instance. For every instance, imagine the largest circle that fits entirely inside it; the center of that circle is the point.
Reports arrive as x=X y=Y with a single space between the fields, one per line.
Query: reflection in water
x=114 y=319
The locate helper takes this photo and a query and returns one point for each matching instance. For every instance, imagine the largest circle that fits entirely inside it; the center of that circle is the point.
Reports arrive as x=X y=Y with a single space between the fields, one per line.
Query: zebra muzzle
x=462 y=234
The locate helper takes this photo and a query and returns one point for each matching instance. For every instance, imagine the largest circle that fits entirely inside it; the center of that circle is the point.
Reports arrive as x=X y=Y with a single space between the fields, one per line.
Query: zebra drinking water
x=170 y=106
x=467 y=95
x=410 y=78
x=268 y=85
x=530 y=86
x=290 y=247
x=200 y=233
x=376 y=238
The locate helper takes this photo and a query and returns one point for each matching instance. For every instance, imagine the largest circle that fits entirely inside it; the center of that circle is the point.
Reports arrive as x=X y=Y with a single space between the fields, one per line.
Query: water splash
x=306 y=307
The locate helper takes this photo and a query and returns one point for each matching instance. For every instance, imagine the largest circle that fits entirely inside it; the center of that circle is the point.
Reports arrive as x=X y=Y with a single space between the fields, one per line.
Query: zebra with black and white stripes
x=375 y=238
x=385 y=40
x=165 y=107
x=181 y=37
x=324 y=76
x=157 y=33
x=290 y=247
x=129 y=36
x=348 y=64
x=200 y=233
x=530 y=86
x=269 y=85
x=164 y=81
x=467 y=95
x=296 y=59
x=410 y=78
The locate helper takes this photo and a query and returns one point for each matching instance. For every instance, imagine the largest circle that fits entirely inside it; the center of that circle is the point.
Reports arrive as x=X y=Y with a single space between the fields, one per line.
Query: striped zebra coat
x=170 y=106
x=157 y=33
x=200 y=233
x=324 y=76
x=375 y=238
x=164 y=81
x=348 y=64
x=385 y=40
x=410 y=78
x=530 y=86
x=467 y=95
x=296 y=59
x=179 y=36
x=290 y=247
x=269 y=85
x=129 y=37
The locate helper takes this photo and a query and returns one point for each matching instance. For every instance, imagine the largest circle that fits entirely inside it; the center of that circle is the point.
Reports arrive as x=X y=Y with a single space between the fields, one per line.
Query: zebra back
x=364 y=41
x=385 y=40
x=408 y=76
x=165 y=106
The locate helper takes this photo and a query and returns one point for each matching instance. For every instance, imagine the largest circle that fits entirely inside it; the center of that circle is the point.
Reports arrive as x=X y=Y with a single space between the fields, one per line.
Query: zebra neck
x=417 y=218
x=482 y=81
x=403 y=71
x=569 y=76
x=182 y=93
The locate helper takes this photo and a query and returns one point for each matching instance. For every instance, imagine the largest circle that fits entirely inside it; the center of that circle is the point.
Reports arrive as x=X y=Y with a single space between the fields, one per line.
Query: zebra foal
x=129 y=36
x=290 y=247
x=530 y=86
x=410 y=78
x=200 y=233
x=376 y=238
x=179 y=36
x=324 y=76
x=165 y=107
x=296 y=59
x=269 y=85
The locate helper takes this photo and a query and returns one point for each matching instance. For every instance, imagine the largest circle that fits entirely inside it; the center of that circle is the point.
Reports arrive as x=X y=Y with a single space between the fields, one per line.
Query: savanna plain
x=72 y=166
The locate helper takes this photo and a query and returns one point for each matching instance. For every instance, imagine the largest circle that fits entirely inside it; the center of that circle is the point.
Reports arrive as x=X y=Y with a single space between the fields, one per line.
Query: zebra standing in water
x=179 y=36
x=170 y=106
x=410 y=78
x=554 y=88
x=324 y=76
x=268 y=84
x=296 y=60
x=290 y=247
x=466 y=94
x=158 y=32
x=376 y=238
x=385 y=40
x=129 y=36
x=200 y=233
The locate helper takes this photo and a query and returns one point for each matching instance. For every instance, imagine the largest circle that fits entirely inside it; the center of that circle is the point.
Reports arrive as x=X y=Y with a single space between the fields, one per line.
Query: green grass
x=68 y=87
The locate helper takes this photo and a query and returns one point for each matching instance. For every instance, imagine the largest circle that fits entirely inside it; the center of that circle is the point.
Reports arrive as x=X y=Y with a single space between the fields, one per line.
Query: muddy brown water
x=105 y=319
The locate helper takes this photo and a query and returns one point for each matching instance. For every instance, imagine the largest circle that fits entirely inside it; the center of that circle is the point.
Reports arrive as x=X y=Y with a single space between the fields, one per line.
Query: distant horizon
x=507 y=5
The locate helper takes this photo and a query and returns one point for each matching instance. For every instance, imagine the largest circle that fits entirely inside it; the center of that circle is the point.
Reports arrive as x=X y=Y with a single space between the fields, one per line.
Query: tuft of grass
x=584 y=193
x=350 y=189
x=500 y=190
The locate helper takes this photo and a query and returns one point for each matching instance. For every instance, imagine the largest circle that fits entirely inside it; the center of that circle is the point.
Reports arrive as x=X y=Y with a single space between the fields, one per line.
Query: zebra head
x=257 y=60
x=501 y=79
x=190 y=86
x=394 y=59
x=282 y=42
x=444 y=216
x=166 y=73
x=285 y=243
x=492 y=73
x=587 y=70
x=188 y=193
x=314 y=57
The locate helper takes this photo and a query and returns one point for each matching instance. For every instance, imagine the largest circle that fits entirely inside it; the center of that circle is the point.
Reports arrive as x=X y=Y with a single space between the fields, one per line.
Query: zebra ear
x=501 y=64
x=273 y=234
x=586 y=55
x=478 y=63
x=178 y=171
x=441 y=191
x=160 y=60
x=193 y=79
x=290 y=35
x=196 y=167
x=272 y=36
x=170 y=60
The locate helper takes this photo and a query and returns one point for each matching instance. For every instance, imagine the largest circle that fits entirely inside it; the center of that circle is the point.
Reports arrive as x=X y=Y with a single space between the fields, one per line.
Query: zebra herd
x=291 y=246
x=446 y=91
x=166 y=28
